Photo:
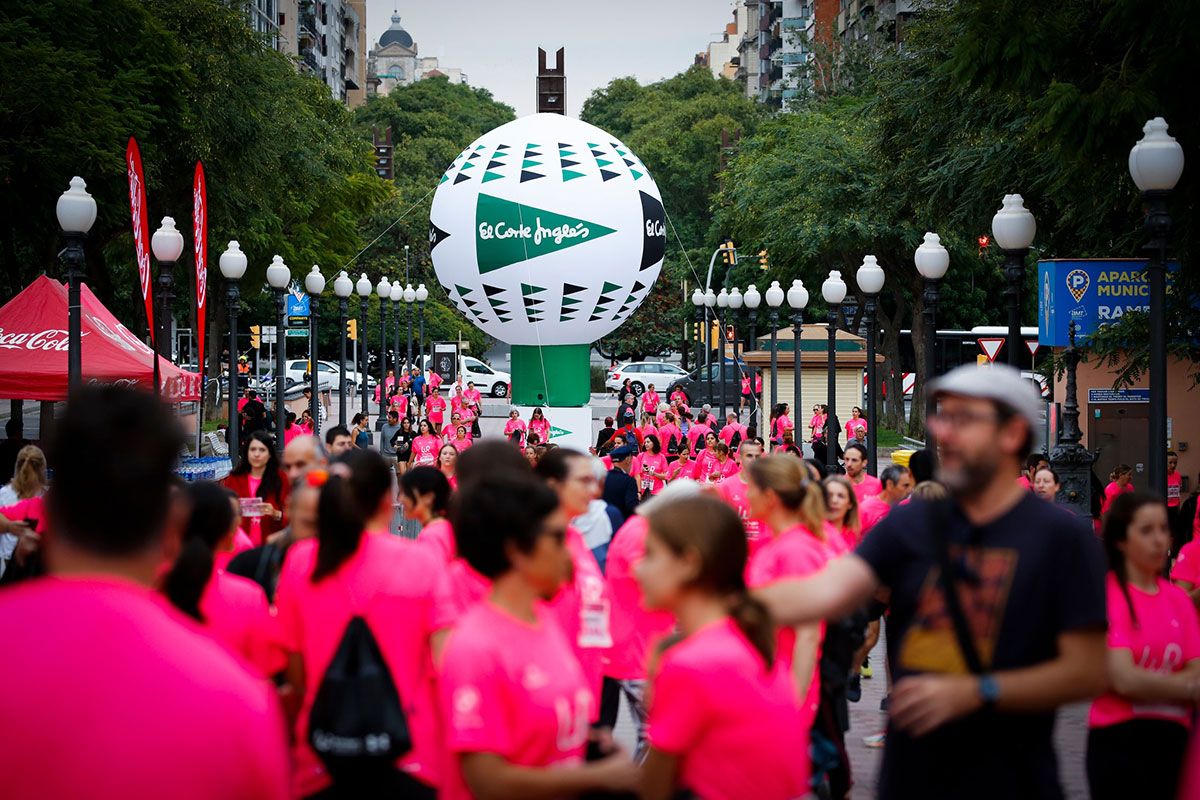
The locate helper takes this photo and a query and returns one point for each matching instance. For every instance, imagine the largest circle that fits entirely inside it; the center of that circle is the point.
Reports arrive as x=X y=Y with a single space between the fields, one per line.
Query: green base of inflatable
x=554 y=375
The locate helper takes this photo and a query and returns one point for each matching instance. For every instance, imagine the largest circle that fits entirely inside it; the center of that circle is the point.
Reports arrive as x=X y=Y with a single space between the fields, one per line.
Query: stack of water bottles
x=208 y=468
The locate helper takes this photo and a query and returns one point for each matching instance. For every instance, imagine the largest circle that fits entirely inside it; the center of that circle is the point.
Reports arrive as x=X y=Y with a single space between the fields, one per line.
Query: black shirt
x=604 y=435
x=1025 y=578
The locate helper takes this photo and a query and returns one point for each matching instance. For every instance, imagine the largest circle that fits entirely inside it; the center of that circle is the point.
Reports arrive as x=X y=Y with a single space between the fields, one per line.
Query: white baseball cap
x=1002 y=385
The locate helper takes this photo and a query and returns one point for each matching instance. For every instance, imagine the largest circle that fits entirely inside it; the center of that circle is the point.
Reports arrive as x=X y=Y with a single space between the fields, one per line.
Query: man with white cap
x=980 y=671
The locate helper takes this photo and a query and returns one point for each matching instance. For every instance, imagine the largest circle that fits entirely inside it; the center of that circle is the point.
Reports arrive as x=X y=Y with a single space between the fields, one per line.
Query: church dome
x=396 y=34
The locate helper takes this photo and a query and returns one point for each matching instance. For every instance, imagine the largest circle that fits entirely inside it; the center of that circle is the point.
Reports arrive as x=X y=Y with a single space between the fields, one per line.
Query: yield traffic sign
x=991 y=348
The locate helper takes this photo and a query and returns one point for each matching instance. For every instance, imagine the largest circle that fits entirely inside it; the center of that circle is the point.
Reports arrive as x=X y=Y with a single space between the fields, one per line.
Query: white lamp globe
x=167 y=242
x=233 y=262
x=343 y=287
x=834 y=288
x=1013 y=226
x=710 y=298
x=422 y=293
x=753 y=297
x=698 y=298
x=397 y=292
x=870 y=276
x=723 y=299
x=363 y=287
x=314 y=281
x=278 y=274
x=410 y=294
x=931 y=258
x=76 y=209
x=383 y=289
x=775 y=295
x=735 y=298
x=1156 y=161
x=797 y=295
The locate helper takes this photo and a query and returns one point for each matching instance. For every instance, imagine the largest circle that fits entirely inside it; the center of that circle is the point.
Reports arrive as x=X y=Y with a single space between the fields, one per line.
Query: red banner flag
x=200 y=243
x=141 y=227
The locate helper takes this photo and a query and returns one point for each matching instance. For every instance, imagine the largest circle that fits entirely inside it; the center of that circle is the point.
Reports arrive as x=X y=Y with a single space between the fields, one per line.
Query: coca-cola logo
x=51 y=339
x=198 y=244
x=136 y=195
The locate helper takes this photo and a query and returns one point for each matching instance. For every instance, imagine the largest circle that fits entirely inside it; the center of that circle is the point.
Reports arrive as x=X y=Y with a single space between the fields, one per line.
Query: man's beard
x=969 y=479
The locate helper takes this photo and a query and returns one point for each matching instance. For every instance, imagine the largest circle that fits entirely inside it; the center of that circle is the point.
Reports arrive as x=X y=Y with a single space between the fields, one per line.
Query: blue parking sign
x=1089 y=292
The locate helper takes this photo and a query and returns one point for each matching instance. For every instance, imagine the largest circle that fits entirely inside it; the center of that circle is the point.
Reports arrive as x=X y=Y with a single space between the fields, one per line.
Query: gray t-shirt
x=385 y=439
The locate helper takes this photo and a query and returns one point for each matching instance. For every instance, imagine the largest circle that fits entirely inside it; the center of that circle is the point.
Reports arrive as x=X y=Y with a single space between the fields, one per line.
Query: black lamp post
x=410 y=296
x=753 y=299
x=342 y=288
x=710 y=302
x=384 y=290
x=422 y=296
x=364 y=289
x=834 y=292
x=278 y=277
x=932 y=261
x=797 y=297
x=167 y=246
x=1071 y=460
x=722 y=304
x=870 y=279
x=233 y=267
x=775 y=298
x=314 y=284
x=1013 y=228
x=735 y=303
x=76 y=211
x=397 y=295
x=698 y=302
x=1155 y=164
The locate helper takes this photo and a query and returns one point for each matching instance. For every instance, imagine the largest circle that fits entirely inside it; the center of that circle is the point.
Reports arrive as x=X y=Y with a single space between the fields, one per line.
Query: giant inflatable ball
x=547 y=231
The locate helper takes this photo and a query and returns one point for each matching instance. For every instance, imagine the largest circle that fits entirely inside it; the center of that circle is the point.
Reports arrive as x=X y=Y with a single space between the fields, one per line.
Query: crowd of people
x=270 y=636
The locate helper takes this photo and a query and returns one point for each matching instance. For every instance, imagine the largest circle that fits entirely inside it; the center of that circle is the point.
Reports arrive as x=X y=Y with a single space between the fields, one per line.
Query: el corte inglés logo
x=508 y=232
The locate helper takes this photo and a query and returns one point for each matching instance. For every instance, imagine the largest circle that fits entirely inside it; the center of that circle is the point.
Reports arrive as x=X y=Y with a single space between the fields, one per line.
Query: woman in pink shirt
x=856 y=426
x=425 y=447
x=424 y=497
x=682 y=467
x=540 y=425
x=233 y=609
x=356 y=570
x=781 y=423
x=841 y=505
x=650 y=400
x=670 y=437
x=650 y=467
x=816 y=425
x=679 y=398
x=647 y=428
x=1138 y=730
x=1121 y=482
x=448 y=459
x=793 y=508
x=258 y=477
x=724 y=719
x=461 y=440
x=706 y=458
x=435 y=410
x=516 y=704
x=514 y=429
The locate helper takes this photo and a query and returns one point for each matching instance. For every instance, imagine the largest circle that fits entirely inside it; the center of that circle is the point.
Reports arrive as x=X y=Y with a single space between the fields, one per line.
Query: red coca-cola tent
x=33 y=348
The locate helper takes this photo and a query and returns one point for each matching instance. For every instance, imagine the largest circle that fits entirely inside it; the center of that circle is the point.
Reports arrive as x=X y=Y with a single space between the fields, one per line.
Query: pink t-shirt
x=681 y=469
x=391 y=582
x=792 y=554
x=649 y=401
x=241 y=543
x=854 y=427
x=1174 y=489
x=293 y=431
x=781 y=425
x=668 y=431
x=817 y=424
x=435 y=408
x=1164 y=639
x=679 y=397
x=513 y=689
x=697 y=431
x=732 y=722
x=461 y=445
x=733 y=492
x=870 y=511
x=583 y=609
x=425 y=450
x=460 y=590
x=730 y=429
x=1110 y=493
x=433 y=381
x=1024 y=483
x=1187 y=565
x=235 y=612
x=438 y=536
x=32 y=510
x=541 y=427
x=634 y=629
x=869 y=486
x=114 y=694
x=512 y=425
x=648 y=430
x=703 y=465
x=651 y=461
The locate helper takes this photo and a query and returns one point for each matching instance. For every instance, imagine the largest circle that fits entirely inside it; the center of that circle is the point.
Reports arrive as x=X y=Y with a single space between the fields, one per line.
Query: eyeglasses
x=961 y=419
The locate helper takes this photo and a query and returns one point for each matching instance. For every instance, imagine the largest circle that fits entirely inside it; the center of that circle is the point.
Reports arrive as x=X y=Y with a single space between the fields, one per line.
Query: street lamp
x=422 y=296
x=710 y=302
x=735 y=302
x=1155 y=164
x=870 y=278
x=797 y=298
x=384 y=290
x=753 y=300
x=410 y=296
x=167 y=246
x=1013 y=228
x=233 y=267
x=932 y=261
x=722 y=304
x=342 y=287
x=278 y=277
x=396 y=295
x=774 y=300
x=364 y=289
x=834 y=292
x=76 y=211
x=314 y=284
x=698 y=302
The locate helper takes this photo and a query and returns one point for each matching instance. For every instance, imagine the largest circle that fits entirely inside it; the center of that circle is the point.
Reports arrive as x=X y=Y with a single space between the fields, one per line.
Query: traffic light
x=763 y=259
x=728 y=253
x=352 y=329
x=730 y=333
x=255 y=340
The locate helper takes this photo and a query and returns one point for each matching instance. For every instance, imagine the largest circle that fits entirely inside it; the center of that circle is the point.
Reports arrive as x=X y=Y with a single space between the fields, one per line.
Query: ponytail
x=348 y=500
x=209 y=521
x=755 y=623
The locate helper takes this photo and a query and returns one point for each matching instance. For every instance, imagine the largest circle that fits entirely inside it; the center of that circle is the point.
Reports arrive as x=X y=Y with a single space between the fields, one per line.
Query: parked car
x=326 y=371
x=695 y=385
x=643 y=373
x=487 y=380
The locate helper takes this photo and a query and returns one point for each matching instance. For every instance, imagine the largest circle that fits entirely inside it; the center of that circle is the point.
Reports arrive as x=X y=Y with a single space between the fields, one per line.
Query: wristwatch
x=989 y=690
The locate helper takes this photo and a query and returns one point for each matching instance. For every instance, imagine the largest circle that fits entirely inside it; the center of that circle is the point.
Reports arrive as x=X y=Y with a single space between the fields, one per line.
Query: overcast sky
x=495 y=41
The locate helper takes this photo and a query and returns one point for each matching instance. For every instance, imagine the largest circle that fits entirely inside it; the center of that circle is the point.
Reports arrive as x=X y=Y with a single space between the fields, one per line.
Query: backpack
x=735 y=441
x=673 y=446
x=357 y=725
